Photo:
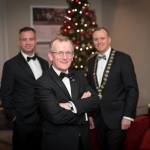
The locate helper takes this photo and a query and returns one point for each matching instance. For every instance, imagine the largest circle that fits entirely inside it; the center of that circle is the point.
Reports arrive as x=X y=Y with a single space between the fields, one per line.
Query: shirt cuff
x=74 y=108
x=131 y=119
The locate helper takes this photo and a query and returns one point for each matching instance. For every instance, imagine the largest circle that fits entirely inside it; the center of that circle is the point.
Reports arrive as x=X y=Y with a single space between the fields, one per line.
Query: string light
x=85 y=25
x=91 y=47
x=81 y=49
x=79 y=23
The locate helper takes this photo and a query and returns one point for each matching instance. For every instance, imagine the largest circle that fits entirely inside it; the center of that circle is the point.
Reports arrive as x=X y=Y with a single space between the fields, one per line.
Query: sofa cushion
x=6 y=136
x=136 y=132
x=146 y=141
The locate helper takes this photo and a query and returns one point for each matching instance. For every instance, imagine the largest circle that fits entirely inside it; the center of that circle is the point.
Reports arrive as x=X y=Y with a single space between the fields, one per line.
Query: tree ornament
x=79 y=59
x=79 y=23
x=77 y=42
x=73 y=38
x=83 y=53
x=83 y=45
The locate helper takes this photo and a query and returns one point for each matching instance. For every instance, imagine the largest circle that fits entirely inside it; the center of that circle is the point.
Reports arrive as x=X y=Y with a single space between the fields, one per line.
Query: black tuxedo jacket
x=62 y=126
x=17 y=89
x=120 y=94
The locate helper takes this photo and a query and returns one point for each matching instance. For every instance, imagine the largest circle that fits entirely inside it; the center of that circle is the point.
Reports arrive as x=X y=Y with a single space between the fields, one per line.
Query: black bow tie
x=29 y=58
x=70 y=75
x=101 y=57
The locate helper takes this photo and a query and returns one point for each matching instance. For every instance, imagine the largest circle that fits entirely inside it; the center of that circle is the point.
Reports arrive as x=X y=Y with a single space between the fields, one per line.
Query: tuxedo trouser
x=109 y=139
x=26 y=137
x=80 y=144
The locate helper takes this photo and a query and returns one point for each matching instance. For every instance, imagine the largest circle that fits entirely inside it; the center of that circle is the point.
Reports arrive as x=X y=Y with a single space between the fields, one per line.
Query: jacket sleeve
x=50 y=108
x=6 y=91
x=131 y=87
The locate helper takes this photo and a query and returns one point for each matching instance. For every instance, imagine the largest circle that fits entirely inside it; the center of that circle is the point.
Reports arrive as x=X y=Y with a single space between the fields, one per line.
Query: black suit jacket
x=17 y=89
x=120 y=94
x=63 y=126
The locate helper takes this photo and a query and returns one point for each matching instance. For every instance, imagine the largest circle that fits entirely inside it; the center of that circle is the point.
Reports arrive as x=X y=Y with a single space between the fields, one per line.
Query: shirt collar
x=25 y=56
x=58 y=71
x=107 y=53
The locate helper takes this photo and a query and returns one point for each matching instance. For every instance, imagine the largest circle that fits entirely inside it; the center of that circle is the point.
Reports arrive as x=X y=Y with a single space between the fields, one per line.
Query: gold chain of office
x=108 y=67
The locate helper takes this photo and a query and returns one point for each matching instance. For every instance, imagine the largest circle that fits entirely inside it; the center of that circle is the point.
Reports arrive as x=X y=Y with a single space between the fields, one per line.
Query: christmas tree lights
x=79 y=24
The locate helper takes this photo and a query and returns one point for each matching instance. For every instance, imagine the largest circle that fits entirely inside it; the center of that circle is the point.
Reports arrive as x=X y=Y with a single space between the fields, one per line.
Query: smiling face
x=101 y=41
x=61 y=62
x=27 y=42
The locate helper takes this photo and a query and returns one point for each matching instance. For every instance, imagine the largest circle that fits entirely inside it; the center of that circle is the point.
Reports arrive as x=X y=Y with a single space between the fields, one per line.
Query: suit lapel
x=25 y=65
x=74 y=88
x=107 y=65
x=59 y=81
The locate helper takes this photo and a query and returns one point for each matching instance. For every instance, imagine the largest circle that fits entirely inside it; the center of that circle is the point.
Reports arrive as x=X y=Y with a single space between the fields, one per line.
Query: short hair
x=61 y=38
x=100 y=28
x=27 y=29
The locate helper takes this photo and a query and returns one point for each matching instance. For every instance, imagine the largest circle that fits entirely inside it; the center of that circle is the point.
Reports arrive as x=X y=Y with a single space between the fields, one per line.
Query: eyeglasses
x=60 y=53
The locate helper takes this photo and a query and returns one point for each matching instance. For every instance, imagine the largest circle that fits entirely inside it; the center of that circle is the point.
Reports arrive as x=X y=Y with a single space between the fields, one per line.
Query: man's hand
x=13 y=119
x=65 y=105
x=92 y=126
x=125 y=124
x=86 y=95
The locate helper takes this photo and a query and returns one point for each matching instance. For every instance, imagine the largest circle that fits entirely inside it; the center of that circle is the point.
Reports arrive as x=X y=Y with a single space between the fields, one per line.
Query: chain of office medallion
x=109 y=64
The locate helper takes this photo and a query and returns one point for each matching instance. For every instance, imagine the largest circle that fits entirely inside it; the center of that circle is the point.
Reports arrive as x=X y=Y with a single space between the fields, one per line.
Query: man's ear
x=109 y=40
x=72 y=56
x=19 y=42
x=50 y=56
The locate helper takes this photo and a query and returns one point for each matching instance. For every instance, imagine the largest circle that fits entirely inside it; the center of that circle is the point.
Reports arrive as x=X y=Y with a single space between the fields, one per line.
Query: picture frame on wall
x=47 y=21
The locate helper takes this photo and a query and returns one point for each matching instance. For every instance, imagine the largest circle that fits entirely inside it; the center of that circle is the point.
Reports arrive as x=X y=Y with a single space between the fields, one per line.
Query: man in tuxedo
x=17 y=92
x=65 y=98
x=111 y=74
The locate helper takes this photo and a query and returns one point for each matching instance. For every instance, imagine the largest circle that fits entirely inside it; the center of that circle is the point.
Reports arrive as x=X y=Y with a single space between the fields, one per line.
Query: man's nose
x=99 y=40
x=64 y=55
x=28 y=41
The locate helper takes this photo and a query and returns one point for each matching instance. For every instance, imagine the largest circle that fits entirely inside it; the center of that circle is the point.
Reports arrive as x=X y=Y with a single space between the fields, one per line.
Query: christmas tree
x=79 y=24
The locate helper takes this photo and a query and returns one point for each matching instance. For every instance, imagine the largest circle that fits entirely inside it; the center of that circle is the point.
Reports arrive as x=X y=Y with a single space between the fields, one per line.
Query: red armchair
x=137 y=136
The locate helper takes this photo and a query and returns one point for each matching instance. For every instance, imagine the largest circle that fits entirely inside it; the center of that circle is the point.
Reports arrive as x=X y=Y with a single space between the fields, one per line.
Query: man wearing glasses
x=64 y=98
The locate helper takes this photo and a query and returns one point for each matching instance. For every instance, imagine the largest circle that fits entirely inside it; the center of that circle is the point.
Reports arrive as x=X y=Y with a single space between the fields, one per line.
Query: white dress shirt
x=101 y=66
x=34 y=65
x=66 y=81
